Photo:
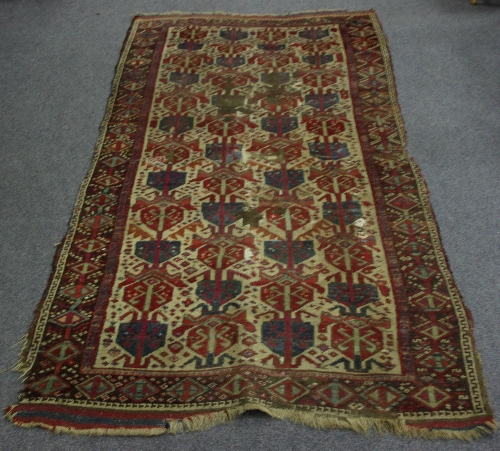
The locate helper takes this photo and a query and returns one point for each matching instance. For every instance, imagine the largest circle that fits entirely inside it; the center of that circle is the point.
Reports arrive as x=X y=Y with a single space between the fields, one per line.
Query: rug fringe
x=22 y=341
x=199 y=422
x=21 y=365
x=318 y=421
x=226 y=13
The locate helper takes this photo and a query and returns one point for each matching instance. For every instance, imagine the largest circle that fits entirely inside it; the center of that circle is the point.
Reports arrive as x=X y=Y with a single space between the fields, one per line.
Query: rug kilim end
x=253 y=235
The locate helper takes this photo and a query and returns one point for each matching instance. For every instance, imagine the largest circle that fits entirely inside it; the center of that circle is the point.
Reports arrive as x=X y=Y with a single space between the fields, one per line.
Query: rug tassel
x=10 y=368
x=18 y=364
x=21 y=364
x=22 y=340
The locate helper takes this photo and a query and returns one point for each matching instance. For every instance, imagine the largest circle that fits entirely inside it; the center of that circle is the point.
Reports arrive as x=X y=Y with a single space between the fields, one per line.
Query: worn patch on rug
x=253 y=235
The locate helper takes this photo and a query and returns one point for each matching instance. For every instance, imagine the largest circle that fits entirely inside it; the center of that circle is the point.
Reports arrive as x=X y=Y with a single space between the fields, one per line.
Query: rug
x=253 y=235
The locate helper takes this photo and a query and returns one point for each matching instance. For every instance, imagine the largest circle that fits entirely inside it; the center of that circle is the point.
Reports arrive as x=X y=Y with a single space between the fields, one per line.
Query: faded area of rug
x=253 y=235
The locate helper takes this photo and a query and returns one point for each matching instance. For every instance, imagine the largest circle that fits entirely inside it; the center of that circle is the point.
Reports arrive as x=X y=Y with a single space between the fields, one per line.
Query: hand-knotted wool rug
x=253 y=235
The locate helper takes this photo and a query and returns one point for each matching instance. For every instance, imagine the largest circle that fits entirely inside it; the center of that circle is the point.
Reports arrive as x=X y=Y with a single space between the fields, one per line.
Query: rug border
x=400 y=426
x=28 y=354
x=436 y=237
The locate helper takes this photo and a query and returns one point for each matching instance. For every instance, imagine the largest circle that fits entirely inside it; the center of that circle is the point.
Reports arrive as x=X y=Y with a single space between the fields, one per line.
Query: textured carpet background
x=57 y=62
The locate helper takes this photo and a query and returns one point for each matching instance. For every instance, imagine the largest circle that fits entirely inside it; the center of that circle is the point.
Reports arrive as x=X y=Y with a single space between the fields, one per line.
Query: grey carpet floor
x=57 y=62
